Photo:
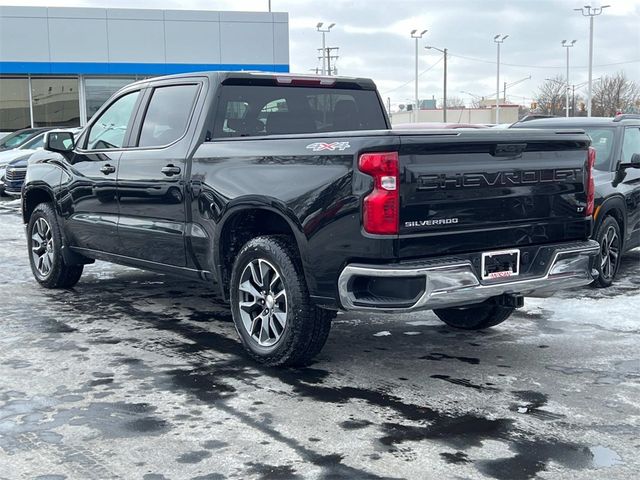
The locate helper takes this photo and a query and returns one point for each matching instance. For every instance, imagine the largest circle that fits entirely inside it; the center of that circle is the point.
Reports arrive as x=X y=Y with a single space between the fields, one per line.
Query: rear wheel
x=608 y=236
x=45 y=250
x=475 y=317
x=270 y=304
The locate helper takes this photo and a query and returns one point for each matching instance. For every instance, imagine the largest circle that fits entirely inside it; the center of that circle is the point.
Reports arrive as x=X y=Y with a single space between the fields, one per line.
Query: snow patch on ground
x=621 y=313
x=384 y=333
x=411 y=333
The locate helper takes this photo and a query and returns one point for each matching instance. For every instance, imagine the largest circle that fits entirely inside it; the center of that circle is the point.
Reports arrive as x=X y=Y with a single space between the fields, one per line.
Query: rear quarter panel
x=313 y=187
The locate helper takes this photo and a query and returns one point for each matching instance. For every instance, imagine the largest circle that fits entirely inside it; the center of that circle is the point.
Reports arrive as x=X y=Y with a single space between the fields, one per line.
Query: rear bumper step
x=442 y=283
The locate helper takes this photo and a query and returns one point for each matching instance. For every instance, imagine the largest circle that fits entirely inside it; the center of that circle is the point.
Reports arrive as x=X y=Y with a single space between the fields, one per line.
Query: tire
x=608 y=262
x=475 y=317
x=294 y=330
x=45 y=250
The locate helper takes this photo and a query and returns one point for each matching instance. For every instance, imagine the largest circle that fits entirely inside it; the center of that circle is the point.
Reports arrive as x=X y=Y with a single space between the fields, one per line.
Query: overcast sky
x=374 y=39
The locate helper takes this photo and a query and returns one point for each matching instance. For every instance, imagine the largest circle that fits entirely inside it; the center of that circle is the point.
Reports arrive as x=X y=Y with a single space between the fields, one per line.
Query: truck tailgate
x=476 y=190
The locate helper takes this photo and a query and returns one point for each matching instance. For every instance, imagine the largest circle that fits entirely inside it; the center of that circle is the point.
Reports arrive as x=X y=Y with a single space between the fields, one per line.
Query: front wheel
x=45 y=250
x=270 y=304
x=608 y=236
x=475 y=317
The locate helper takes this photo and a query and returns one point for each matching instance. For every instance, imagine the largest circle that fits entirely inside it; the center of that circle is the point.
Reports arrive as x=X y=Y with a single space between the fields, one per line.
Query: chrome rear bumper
x=455 y=283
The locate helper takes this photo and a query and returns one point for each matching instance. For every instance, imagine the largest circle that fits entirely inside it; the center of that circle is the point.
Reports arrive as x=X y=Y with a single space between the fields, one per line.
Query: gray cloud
x=374 y=41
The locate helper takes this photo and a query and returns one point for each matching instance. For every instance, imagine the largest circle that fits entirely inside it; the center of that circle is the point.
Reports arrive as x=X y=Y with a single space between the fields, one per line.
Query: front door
x=151 y=178
x=90 y=206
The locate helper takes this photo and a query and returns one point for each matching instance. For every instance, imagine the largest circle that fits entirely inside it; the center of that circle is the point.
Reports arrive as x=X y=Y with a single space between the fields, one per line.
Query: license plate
x=500 y=264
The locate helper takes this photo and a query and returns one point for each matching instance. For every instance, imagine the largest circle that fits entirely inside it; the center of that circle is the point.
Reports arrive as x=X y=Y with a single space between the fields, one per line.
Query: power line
x=539 y=66
x=410 y=81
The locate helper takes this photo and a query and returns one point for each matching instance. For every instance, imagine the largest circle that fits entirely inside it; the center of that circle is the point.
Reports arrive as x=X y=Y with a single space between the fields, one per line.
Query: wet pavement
x=140 y=376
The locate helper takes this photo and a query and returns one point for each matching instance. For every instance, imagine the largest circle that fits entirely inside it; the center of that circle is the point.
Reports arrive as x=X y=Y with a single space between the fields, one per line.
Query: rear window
x=602 y=139
x=245 y=111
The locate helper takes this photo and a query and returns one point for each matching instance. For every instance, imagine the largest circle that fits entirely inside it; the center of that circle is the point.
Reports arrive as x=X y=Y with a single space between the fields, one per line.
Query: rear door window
x=167 y=115
x=271 y=110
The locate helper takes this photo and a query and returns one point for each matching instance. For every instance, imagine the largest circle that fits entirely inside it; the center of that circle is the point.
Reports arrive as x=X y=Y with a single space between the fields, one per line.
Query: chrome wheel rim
x=262 y=302
x=609 y=253
x=42 y=247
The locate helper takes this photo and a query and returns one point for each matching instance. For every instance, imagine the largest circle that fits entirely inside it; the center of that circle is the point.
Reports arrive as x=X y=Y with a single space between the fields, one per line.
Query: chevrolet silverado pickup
x=292 y=197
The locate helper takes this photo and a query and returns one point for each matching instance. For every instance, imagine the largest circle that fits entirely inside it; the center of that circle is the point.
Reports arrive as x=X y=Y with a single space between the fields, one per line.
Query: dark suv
x=617 y=179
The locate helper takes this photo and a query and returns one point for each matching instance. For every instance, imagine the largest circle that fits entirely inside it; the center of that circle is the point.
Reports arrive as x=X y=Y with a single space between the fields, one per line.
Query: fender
x=610 y=203
x=268 y=204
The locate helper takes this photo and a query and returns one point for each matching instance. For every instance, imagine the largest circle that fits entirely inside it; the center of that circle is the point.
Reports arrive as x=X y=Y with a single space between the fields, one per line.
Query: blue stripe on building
x=91 y=68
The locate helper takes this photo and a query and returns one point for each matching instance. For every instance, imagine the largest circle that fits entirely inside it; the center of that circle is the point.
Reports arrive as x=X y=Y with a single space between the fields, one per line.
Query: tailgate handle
x=508 y=149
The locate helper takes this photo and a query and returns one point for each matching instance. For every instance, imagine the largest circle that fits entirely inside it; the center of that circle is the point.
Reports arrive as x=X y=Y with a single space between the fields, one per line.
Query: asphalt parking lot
x=140 y=376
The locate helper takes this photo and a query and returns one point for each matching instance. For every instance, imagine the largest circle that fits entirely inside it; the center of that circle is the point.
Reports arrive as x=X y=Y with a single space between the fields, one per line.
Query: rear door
x=467 y=191
x=91 y=208
x=151 y=176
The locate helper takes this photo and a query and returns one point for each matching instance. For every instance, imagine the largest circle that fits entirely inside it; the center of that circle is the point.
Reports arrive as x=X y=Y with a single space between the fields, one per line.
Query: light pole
x=588 y=11
x=498 y=39
x=444 y=102
x=324 y=48
x=417 y=36
x=568 y=45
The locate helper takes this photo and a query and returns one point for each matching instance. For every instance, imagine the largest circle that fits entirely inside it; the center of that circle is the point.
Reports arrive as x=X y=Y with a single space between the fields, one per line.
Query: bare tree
x=455 y=102
x=550 y=97
x=614 y=94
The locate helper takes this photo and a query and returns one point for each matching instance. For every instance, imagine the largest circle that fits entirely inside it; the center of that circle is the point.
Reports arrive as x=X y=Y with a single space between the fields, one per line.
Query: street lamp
x=444 y=103
x=324 y=49
x=588 y=11
x=498 y=39
x=568 y=45
x=417 y=36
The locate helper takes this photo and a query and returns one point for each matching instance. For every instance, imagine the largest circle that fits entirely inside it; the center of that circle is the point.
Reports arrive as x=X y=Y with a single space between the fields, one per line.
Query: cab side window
x=168 y=115
x=110 y=128
x=630 y=143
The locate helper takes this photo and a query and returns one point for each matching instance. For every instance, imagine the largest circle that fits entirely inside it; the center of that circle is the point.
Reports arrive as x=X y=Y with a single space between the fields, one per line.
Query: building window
x=55 y=102
x=14 y=104
x=99 y=90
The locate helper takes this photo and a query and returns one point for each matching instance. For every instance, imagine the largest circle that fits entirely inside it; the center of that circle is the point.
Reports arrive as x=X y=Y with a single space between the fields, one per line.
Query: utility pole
x=568 y=45
x=417 y=36
x=588 y=11
x=498 y=39
x=269 y=6
x=444 y=101
x=504 y=92
x=323 y=31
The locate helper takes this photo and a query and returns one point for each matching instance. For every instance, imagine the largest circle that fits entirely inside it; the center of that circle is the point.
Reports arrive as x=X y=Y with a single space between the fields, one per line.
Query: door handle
x=170 y=170
x=107 y=169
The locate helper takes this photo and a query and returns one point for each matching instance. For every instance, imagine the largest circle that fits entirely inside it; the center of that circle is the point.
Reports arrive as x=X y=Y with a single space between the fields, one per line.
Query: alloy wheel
x=42 y=247
x=262 y=302
x=609 y=253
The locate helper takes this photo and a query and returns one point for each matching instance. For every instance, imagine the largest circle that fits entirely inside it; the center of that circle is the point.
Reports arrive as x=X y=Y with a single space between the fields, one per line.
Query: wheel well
x=32 y=199
x=616 y=213
x=242 y=227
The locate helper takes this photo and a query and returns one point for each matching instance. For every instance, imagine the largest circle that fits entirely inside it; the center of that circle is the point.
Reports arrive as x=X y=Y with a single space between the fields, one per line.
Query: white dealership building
x=59 y=65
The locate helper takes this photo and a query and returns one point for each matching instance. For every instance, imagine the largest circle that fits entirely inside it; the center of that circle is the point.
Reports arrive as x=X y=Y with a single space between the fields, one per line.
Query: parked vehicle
x=617 y=182
x=20 y=137
x=23 y=151
x=293 y=198
x=16 y=170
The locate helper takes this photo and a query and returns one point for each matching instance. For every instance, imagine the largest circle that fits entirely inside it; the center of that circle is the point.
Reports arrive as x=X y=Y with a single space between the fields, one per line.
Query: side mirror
x=634 y=163
x=60 y=141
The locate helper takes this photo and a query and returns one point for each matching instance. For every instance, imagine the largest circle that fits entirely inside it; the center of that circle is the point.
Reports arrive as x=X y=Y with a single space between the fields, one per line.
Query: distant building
x=59 y=65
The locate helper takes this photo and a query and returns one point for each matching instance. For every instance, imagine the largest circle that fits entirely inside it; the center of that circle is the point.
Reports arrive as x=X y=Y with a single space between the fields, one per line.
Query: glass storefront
x=14 y=104
x=56 y=102
x=99 y=90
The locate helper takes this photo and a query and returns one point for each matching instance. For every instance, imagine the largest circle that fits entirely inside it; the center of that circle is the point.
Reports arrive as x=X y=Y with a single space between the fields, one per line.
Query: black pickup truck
x=293 y=198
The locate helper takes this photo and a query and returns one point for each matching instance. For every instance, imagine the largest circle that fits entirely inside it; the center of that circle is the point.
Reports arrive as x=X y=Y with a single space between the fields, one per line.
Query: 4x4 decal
x=321 y=146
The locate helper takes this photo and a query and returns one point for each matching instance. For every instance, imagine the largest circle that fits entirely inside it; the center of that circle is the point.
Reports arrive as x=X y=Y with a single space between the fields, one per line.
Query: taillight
x=590 y=185
x=381 y=207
